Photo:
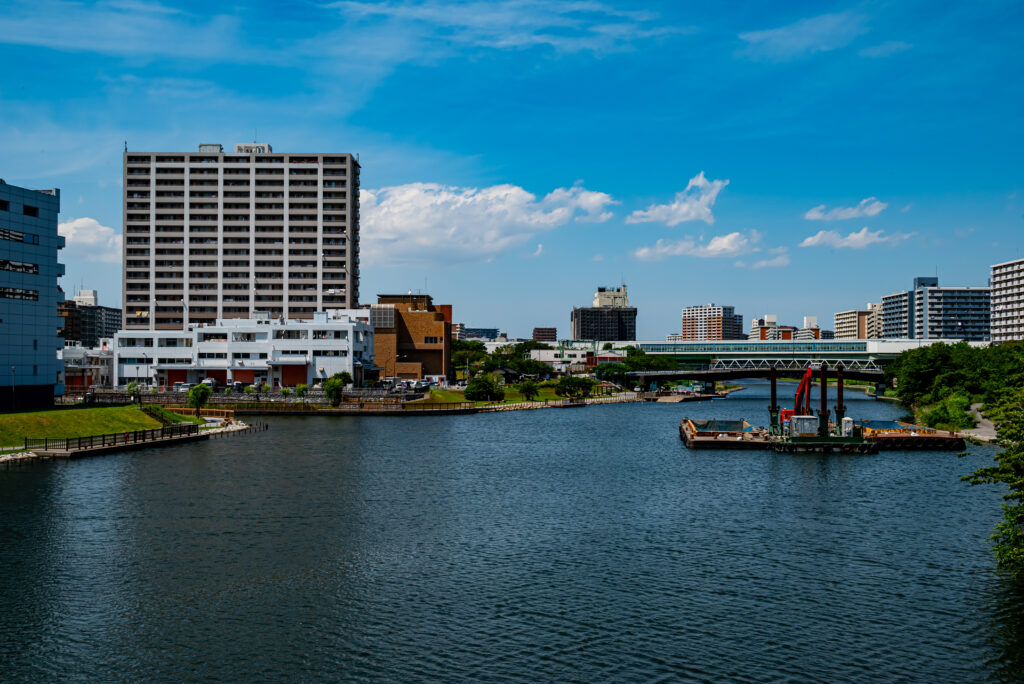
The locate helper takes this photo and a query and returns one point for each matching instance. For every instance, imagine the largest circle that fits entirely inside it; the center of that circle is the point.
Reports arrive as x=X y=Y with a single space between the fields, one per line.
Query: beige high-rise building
x=859 y=324
x=1008 y=301
x=213 y=235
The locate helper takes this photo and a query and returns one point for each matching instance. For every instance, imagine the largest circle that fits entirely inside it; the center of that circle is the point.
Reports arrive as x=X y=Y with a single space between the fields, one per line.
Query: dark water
x=584 y=544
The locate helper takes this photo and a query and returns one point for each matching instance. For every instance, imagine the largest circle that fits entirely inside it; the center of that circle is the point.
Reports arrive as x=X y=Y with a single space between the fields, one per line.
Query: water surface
x=583 y=544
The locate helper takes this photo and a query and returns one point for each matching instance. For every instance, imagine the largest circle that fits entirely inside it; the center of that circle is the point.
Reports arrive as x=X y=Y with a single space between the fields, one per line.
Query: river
x=582 y=544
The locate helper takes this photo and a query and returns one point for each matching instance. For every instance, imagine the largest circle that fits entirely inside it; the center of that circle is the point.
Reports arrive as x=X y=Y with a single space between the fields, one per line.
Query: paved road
x=985 y=430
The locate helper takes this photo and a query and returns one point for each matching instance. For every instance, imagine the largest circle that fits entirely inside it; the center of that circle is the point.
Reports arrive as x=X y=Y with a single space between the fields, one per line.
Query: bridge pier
x=840 y=408
x=773 y=408
x=823 y=413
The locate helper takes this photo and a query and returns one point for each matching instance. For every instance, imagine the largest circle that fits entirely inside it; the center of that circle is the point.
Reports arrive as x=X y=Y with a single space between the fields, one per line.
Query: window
x=19 y=293
x=430 y=340
x=35 y=370
x=19 y=266
x=29 y=210
x=35 y=345
x=5 y=205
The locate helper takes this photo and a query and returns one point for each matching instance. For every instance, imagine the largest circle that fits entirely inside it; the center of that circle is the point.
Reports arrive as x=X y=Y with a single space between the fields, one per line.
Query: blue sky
x=790 y=158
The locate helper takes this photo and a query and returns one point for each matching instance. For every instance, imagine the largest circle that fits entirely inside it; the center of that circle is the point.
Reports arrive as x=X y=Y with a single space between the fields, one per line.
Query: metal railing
x=114 y=439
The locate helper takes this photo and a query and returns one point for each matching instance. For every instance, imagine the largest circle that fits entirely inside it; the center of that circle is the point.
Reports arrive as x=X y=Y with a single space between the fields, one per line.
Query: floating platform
x=721 y=434
x=899 y=436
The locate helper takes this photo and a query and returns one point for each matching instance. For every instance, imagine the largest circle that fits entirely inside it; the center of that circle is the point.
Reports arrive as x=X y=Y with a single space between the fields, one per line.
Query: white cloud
x=564 y=25
x=538 y=251
x=867 y=207
x=885 y=49
x=780 y=260
x=729 y=245
x=434 y=223
x=807 y=36
x=692 y=204
x=858 y=240
x=598 y=257
x=89 y=240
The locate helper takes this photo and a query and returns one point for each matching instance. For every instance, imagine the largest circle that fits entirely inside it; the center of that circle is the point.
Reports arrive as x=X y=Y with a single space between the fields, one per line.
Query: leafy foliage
x=132 y=388
x=344 y=376
x=484 y=388
x=250 y=390
x=572 y=387
x=333 y=389
x=285 y=391
x=1009 y=470
x=613 y=372
x=529 y=389
x=198 y=396
x=300 y=390
x=941 y=381
x=516 y=357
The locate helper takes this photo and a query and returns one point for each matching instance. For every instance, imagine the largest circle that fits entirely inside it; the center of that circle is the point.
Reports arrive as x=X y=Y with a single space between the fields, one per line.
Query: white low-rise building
x=261 y=350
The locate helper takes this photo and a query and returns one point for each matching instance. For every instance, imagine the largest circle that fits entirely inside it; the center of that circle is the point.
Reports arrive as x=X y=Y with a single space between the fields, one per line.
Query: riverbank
x=20 y=457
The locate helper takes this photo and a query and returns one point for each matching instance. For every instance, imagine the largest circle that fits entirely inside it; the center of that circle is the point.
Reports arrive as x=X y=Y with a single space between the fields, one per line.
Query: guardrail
x=94 y=441
x=203 y=413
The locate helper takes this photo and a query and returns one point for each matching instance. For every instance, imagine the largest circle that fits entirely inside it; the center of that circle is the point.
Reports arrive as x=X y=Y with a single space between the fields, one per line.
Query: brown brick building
x=412 y=336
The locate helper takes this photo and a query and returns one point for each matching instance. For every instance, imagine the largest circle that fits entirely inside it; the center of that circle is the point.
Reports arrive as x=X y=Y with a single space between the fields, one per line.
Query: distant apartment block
x=85 y=322
x=480 y=333
x=859 y=324
x=1007 y=306
x=932 y=312
x=29 y=296
x=711 y=322
x=545 y=334
x=213 y=235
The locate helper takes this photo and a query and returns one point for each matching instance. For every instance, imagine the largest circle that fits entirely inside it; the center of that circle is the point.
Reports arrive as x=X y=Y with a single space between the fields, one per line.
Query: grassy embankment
x=75 y=422
x=512 y=396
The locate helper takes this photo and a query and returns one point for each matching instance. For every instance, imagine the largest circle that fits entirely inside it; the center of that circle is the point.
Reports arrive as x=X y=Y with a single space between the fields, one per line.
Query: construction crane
x=802 y=404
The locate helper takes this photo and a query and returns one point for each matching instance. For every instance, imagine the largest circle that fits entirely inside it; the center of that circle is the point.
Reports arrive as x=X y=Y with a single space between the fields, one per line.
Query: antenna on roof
x=125 y=145
x=255 y=134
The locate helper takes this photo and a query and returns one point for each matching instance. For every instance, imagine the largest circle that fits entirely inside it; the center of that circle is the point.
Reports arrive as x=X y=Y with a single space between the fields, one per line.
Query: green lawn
x=512 y=396
x=175 y=418
x=72 y=423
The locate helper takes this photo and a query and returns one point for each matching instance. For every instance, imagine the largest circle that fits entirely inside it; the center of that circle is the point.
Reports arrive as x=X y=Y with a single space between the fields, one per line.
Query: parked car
x=179 y=387
x=212 y=383
x=238 y=386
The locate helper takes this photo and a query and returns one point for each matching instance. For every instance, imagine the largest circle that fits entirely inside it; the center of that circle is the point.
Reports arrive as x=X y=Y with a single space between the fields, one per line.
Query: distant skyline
x=794 y=158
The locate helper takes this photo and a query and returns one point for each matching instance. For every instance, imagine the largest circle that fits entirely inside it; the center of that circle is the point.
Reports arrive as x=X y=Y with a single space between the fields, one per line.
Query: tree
x=250 y=390
x=300 y=391
x=469 y=345
x=484 y=387
x=285 y=392
x=615 y=372
x=529 y=389
x=265 y=388
x=607 y=346
x=132 y=388
x=334 y=387
x=227 y=391
x=1009 y=471
x=344 y=376
x=198 y=396
x=572 y=387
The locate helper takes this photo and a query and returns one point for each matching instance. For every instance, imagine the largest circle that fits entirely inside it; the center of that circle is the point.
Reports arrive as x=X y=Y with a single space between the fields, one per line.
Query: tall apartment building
x=932 y=312
x=859 y=324
x=412 y=337
x=1007 y=310
x=30 y=371
x=711 y=322
x=214 y=235
x=611 y=317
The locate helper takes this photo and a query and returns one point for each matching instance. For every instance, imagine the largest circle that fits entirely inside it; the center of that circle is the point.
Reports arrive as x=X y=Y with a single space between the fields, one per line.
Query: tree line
x=940 y=382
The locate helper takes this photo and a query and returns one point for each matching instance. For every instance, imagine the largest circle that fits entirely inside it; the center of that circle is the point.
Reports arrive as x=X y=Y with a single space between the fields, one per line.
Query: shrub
x=484 y=388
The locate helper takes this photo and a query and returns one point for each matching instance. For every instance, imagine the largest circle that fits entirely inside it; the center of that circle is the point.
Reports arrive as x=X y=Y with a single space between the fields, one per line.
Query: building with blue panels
x=30 y=372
